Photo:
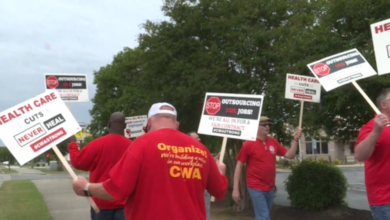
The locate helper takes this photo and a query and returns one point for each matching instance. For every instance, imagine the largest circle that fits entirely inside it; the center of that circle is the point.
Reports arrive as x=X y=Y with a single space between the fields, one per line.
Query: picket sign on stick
x=221 y=156
x=300 y=127
x=73 y=174
x=229 y=115
x=300 y=115
x=373 y=106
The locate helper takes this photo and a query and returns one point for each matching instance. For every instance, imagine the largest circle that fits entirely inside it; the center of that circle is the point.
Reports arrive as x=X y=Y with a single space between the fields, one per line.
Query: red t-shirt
x=376 y=168
x=260 y=158
x=164 y=174
x=98 y=157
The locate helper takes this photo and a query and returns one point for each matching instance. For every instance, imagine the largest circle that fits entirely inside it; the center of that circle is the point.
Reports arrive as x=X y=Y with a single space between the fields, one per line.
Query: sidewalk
x=287 y=170
x=22 y=170
x=61 y=201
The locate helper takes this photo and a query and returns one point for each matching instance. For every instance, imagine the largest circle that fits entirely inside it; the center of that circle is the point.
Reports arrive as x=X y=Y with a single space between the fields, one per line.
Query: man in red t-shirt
x=373 y=147
x=163 y=174
x=260 y=157
x=98 y=157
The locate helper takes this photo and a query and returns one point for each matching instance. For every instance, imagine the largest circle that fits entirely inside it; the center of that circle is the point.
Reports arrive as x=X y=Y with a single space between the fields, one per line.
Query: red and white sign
x=341 y=69
x=381 y=39
x=303 y=88
x=71 y=87
x=36 y=125
x=231 y=115
x=52 y=82
x=213 y=105
x=135 y=125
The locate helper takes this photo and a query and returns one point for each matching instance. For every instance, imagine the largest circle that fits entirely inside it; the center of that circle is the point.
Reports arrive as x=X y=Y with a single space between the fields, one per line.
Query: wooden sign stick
x=373 y=106
x=300 y=126
x=222 y=154
x=71 y=172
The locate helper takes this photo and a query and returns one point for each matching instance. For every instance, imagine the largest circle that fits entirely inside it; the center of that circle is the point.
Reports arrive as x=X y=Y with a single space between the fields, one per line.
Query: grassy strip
x=7 y=171
x=221 y=213
x=20 y=200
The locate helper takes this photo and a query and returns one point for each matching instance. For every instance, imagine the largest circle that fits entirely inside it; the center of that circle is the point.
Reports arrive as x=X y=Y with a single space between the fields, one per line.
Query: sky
x=64 y=37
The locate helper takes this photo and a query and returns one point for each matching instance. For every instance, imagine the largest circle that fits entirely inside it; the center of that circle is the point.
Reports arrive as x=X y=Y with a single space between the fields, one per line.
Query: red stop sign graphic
x=213 y=105
x=321 y=69
x=52 y=82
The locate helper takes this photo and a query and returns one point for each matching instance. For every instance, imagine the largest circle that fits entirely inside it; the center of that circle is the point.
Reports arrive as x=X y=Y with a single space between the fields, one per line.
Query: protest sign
x=380 y=32
x=71 y=87
x=231 y=115
x=135 y=125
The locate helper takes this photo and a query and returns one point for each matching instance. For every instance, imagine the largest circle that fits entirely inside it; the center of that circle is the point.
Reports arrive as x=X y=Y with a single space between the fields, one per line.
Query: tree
x=242 y=47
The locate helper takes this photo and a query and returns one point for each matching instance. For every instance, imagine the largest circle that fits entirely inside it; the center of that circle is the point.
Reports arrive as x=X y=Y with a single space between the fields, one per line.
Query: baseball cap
x=156 y=109
x=265 y=119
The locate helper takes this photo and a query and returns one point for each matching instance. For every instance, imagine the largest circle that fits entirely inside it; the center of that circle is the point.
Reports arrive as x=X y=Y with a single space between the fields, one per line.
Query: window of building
x=316 y=146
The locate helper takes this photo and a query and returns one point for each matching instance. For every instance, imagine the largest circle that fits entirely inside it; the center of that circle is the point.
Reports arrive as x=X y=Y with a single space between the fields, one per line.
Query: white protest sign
x=36 y=125
x=71 y=87
x=135 y=125
x=342 y=68
x=302 y=88
x=381 y=39
x=231 y=115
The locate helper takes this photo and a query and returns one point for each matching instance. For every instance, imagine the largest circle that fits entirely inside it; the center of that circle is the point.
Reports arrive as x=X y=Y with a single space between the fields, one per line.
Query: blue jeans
x=207 y=201
x=108 y=214
x=262 y=203
x=380 y=212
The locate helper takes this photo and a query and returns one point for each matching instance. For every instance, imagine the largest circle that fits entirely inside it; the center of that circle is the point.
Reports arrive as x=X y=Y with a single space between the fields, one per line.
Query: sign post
x=230 y=116
x=37 y=125
x=302 y=88
x=343 y=68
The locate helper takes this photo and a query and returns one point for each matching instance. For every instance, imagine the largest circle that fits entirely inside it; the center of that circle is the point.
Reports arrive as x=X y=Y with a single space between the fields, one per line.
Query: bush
x=315 y=185
x=337 y=161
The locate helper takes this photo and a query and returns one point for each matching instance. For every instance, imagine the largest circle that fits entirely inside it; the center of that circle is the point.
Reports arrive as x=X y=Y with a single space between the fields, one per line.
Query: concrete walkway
x=61 y=201
x=22 y=170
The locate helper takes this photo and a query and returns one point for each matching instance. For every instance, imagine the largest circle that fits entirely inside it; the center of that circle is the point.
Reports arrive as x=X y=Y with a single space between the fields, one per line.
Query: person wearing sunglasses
x=260 y=158
x=373 y=147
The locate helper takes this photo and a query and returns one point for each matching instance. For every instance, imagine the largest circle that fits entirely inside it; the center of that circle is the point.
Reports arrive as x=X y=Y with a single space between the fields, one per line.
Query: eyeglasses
x=264 y=124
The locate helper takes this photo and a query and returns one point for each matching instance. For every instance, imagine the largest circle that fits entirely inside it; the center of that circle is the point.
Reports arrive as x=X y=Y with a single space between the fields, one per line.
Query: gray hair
x=382 y=97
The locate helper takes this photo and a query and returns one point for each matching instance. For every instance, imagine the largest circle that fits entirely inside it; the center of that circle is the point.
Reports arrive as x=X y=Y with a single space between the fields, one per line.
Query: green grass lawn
x=7 y=171
x=20 y=200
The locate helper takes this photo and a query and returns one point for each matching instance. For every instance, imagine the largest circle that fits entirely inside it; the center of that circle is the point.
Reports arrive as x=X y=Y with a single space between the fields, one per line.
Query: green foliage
x=337 y=161
x=5 y=155
x=315 y=185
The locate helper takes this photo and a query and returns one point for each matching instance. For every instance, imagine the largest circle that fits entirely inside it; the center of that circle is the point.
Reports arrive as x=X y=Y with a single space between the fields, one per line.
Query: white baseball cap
x=156 y=109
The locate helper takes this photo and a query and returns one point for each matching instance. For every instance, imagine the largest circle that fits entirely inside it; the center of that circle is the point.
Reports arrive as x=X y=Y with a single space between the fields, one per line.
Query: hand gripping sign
x=343 y=68
x=230 y=115
x=37 y=125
